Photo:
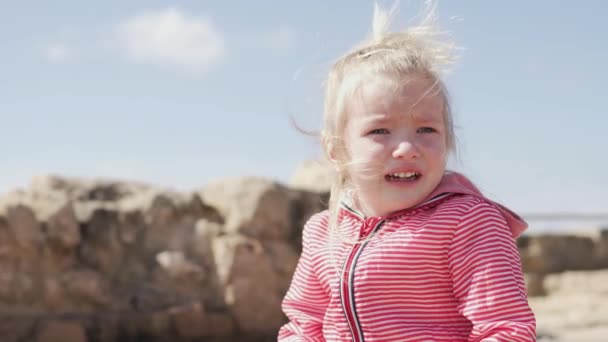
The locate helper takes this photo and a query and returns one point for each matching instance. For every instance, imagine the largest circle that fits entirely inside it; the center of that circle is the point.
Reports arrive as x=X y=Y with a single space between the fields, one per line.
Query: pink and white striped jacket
x=446 y=270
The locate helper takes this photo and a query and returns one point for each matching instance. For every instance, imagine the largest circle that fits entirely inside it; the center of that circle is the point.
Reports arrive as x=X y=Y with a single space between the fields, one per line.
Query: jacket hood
x=453 y=182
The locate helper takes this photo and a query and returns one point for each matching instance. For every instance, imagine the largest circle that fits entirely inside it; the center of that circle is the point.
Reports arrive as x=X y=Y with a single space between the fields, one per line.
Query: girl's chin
x=403 y=184
x=397 y=204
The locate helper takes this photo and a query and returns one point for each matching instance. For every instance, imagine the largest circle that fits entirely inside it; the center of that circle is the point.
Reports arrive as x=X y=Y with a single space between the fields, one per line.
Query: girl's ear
x=329 y=146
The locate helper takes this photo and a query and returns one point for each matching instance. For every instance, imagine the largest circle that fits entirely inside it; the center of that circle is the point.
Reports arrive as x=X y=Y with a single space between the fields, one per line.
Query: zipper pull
x=368 y=225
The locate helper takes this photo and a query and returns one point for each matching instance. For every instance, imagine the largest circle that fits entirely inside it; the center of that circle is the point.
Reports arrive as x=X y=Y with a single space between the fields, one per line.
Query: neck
x=367 y=210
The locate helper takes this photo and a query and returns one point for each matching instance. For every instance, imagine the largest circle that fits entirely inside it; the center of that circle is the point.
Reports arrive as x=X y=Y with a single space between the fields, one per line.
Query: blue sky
x=94 y=90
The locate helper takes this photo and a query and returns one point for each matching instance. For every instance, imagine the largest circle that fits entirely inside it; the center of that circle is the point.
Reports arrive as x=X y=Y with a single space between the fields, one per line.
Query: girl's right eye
x=379 y=131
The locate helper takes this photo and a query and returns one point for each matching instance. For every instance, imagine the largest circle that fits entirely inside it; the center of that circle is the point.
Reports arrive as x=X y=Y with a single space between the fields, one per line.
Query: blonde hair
x=421 y=50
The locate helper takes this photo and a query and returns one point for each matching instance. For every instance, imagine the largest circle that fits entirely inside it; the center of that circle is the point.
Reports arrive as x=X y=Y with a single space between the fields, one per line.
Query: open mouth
x=402 y=176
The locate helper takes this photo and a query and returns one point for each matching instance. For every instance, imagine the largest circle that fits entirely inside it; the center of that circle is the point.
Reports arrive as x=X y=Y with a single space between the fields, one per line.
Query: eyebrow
x=424 y=118
x=377 y=118
x=376 y=121
x=428 y=118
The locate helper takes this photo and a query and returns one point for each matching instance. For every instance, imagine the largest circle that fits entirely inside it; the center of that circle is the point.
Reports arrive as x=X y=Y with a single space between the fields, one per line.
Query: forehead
x=419 y=98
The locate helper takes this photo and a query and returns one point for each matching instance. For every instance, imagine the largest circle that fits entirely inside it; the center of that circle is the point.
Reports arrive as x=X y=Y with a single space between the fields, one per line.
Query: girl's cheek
x=431 y=142
x=366 y=148
x=373 y=148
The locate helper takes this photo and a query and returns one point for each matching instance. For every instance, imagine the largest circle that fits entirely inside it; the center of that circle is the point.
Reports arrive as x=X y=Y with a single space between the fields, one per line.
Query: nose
x=406 y=150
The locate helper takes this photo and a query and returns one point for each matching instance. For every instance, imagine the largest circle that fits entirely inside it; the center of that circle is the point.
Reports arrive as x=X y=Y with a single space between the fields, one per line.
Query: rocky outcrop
x=313 y=175
x=547 y=254
x=108 y=261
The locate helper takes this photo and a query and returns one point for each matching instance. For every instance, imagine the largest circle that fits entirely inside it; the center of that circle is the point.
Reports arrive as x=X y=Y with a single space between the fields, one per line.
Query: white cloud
x=57 y=52
x=172 y=37
x=280 y=39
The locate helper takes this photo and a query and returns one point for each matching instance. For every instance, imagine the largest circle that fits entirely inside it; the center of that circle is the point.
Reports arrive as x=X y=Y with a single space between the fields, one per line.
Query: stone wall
x=120 y=261
x=550 y=254
x=111 y=261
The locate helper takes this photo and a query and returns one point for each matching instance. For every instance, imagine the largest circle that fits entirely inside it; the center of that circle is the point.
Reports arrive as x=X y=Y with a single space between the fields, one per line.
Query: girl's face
x=396 y=142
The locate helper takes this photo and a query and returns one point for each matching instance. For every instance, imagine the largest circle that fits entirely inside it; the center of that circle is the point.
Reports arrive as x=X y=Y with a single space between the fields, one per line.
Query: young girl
x=407 y=250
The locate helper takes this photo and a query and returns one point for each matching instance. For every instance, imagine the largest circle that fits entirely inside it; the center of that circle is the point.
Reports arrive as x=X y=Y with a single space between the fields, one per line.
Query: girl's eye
x=426 y=130
x=379 y=131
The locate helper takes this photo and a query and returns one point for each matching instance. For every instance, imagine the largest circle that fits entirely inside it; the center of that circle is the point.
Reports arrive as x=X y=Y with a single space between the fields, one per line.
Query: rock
x=84 y=210
x=162 y=211
x=131 y=226
x=8 y=262
x=42 y=203
x=600 y=251
x=80 y=189
x=261 y=208
x=202 y=254
x=251 y=206
x=101 y=247
x=104 y=327
x=64 y=331
x=170 y=224
x=160 y=219
x=220 y=324
x=14 y=328
x=142 y=326
x=545 y=253
x=255 y=278
x=88 y=287
x=29 y=246
x=178 y=267
x=535 y=284
x=159 y=323
x=7 y=281
x=189 y=320
x=304 y=204
x=62 y=229
x=195 y=207
x=135 y=266
x=313 y=175
x=7 y=239
x=189 y=204
x=204 y=232
x=12 y=199
x=150 y=297
x=27 y=287
x=25 y=227
x=54 y=295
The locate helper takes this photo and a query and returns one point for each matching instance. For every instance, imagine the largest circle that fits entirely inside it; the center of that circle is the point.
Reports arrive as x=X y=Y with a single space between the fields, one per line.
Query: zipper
x=347 y=278
x=347 y=289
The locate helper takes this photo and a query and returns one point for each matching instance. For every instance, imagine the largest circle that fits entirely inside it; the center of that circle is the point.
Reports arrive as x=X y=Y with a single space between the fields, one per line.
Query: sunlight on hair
x=422 y=50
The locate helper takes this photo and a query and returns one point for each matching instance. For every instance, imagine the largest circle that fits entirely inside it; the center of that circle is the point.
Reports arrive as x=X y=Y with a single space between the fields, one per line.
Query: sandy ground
x=576 y=309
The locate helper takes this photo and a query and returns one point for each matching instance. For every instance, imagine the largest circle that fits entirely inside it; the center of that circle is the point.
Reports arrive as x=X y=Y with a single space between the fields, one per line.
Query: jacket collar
x=451 y=183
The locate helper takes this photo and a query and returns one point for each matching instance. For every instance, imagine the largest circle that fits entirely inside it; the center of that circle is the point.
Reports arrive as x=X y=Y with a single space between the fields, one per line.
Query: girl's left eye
x=379 y=131
x=426 y=130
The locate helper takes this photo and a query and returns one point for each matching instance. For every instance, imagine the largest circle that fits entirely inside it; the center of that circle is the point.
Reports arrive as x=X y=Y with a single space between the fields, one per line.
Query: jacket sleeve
x=487 y=278
x=306 y=301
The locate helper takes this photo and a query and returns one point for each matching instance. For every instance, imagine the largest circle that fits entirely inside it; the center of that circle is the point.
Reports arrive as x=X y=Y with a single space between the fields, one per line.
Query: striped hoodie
x=446 y=270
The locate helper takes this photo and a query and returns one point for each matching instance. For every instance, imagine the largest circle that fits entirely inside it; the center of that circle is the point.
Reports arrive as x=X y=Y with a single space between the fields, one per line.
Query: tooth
x=409 y=174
